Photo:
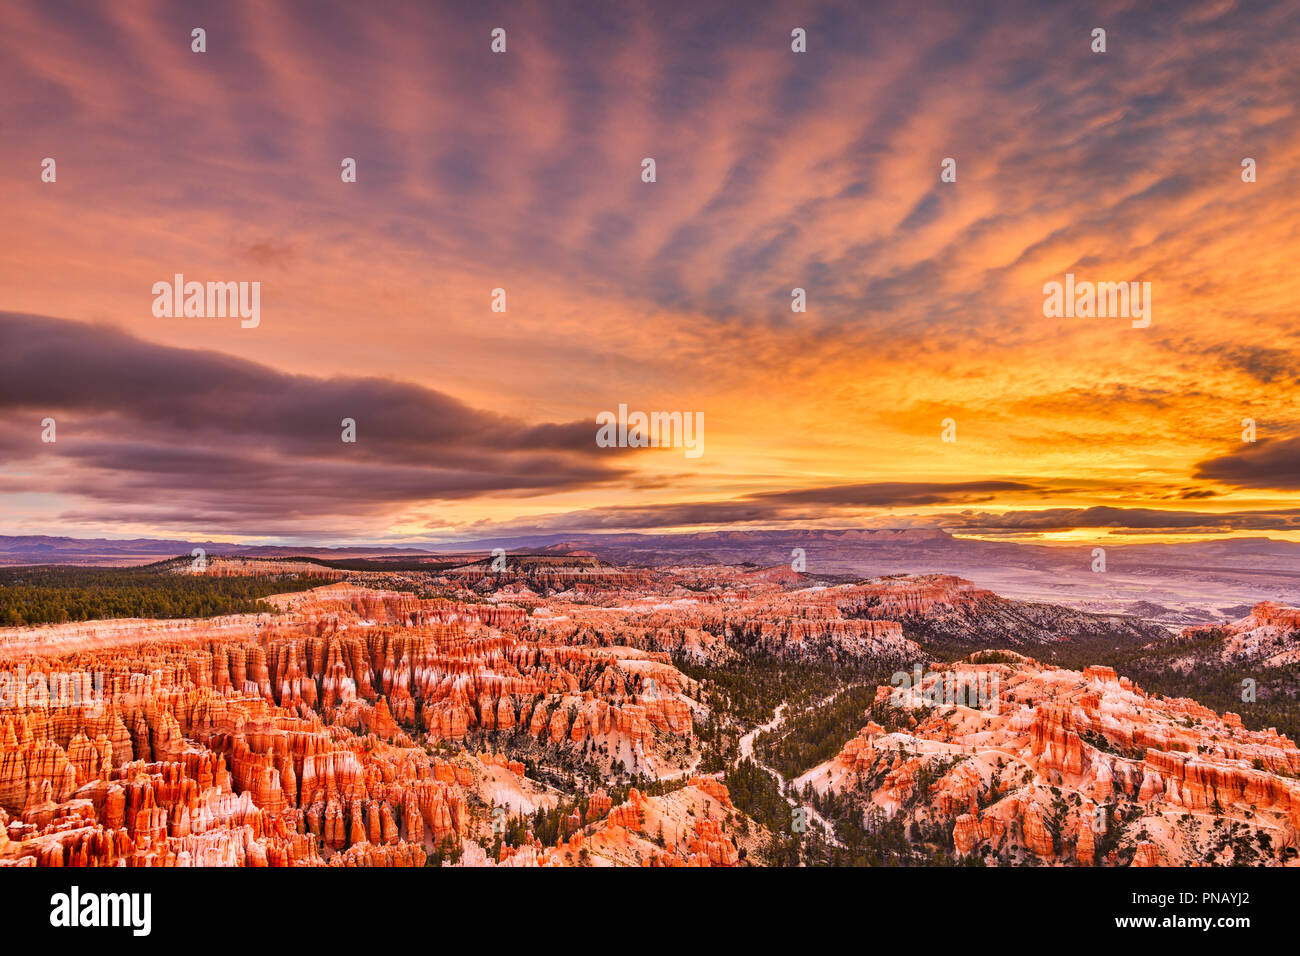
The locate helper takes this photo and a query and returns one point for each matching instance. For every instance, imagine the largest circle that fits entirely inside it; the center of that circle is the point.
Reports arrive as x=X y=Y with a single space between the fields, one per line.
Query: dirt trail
x=747 y=750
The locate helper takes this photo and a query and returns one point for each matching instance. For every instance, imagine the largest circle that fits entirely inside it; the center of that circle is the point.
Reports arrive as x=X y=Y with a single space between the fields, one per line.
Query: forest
x=56 y=594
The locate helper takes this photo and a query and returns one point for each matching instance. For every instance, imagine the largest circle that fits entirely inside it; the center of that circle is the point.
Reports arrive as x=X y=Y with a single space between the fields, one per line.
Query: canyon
x=570 y=712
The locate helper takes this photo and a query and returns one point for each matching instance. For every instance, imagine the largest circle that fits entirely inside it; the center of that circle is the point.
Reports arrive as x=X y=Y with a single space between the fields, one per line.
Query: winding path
x=747 y=750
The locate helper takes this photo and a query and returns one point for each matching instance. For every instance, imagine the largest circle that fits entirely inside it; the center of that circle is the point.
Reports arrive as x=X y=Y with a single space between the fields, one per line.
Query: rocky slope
x=942 y=609
x=1268 y=635
x=710 y=613
x=543 y=574
x=696 y=825
x=1075 y=768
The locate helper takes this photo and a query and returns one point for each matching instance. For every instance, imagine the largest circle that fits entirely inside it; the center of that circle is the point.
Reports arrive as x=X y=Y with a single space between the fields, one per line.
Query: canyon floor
x=567 y=711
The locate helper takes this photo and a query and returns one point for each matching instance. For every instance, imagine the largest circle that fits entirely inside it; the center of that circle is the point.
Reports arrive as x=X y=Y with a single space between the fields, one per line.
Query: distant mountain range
x=1177 y=584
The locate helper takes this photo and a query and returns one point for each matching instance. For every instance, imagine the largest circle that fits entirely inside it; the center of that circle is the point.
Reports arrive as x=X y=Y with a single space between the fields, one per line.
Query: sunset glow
x=925 y=299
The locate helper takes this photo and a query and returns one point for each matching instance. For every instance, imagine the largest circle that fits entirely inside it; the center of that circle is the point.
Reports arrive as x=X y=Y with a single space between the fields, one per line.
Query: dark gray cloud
x=879 y=494
x=176 y=431
x=1268 y=464
x=1123 y=521
x=786 y=511
x=806 y=505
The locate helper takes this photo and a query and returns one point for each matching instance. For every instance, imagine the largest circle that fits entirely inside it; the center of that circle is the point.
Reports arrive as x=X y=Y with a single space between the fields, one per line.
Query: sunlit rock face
x=1070 y=761
x=575 y=573
x=369 y=726
x=691 y=826
x=307 y=737
x=713 y=613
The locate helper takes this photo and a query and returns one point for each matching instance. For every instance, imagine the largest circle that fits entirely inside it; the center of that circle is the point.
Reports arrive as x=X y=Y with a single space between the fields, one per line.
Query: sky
x=774 y=170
